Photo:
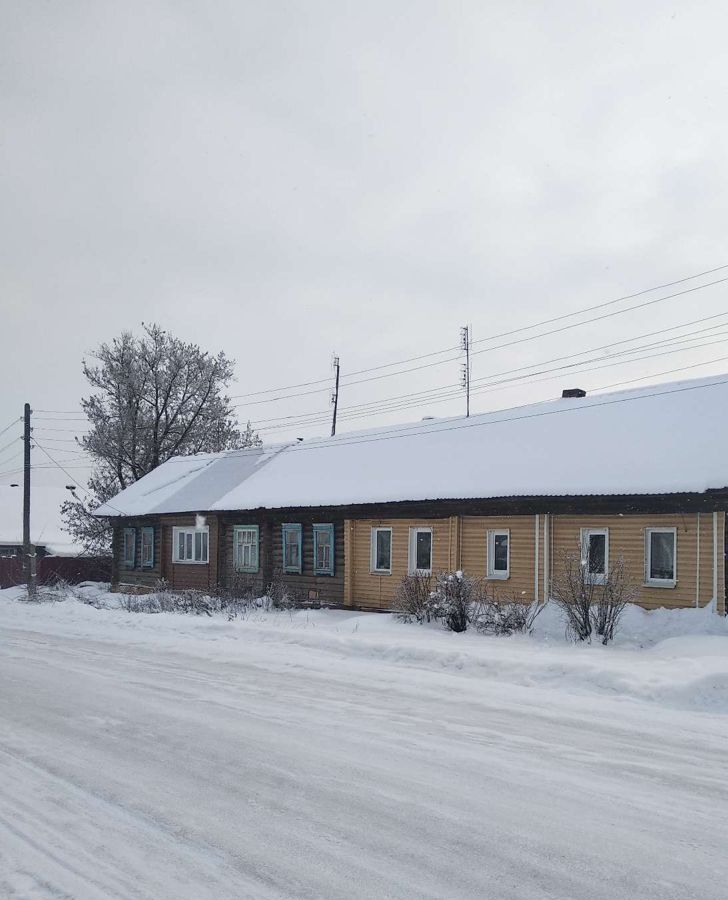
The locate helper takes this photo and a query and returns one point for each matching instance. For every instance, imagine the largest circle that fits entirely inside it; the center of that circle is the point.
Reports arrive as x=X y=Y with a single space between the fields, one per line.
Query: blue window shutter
x=323 y=536
x=292 y=535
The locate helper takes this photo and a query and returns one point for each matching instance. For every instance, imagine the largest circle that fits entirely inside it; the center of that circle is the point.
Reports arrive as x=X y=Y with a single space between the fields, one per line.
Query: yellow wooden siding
x=460 y=543
x=368 y=589
x=627 y=540
x=474 y=556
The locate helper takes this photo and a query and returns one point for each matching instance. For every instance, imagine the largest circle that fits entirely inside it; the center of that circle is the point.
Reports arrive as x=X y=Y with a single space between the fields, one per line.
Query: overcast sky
x=285 y=180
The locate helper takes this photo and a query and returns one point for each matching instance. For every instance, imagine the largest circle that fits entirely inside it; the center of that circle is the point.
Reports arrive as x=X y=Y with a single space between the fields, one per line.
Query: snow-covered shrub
x=460 y=600
x=591 y=603
x=456 y=595
x=197 y=602
x=414 y=600
x=185 y=601
x=279 y=595
x=511 y=615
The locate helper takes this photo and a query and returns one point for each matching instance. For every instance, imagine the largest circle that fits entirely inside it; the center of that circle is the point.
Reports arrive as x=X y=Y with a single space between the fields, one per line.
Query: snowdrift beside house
x=675 y=658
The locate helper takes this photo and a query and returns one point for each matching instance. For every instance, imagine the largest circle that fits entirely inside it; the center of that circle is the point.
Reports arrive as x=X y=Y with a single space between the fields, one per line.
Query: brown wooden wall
x=326 y=588
x=137 y=577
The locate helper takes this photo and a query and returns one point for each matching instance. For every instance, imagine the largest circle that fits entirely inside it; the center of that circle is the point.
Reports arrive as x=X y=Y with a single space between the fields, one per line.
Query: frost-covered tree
x=153 y=396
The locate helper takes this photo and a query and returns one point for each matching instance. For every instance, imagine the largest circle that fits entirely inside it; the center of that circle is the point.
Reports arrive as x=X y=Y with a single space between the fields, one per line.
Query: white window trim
x=237 y=565
x=493 y=574
x=412 y=555
x=189 y=529
x=585 y=533
x=660 y=582
x=129 y=532
x=373 y=550
x=148 y=531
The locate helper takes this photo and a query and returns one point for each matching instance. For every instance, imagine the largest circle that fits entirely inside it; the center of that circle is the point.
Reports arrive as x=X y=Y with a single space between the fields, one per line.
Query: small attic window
x=568 y=393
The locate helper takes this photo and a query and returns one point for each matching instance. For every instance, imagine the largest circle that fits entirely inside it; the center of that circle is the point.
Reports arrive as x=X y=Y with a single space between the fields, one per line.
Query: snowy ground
x=337 y=755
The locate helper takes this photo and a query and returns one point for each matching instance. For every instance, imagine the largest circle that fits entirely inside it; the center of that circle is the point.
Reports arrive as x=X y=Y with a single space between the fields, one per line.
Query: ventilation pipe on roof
x=568 y=393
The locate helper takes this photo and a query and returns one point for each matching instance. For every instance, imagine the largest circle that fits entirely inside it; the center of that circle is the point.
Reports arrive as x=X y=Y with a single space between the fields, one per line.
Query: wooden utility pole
x=28 y=549
x=335 y=395
x=465 y=343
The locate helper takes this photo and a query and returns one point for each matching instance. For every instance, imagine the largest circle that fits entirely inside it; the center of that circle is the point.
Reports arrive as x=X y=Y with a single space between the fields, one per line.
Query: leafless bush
x=280 y=595
x=591 y=603
x=414 y=600
x=186 y=601
x=238 y=596
x=618 y=591
x=511 y=615
x=458 y=597
x=196 y=602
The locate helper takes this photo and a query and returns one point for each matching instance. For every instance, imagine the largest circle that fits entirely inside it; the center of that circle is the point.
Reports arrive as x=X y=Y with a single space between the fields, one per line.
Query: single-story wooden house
x=640 y=475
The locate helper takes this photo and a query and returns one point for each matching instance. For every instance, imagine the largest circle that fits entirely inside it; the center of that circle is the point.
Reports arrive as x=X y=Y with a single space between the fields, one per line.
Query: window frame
x=585 y=534
x=237 y=565
x=491 y=572
x=193 y=530
x=292 y=528
x=323 y=529
x=375 y=529
x=660 y=582
x=129 y=532
x=148 y=530
x=412 y=555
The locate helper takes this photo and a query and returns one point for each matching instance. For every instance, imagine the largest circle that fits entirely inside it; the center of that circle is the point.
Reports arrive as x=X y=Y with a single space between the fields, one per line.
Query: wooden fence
x=54 y=568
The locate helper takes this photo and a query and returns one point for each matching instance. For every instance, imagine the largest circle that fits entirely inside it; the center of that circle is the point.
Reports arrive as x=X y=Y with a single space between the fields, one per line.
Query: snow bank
x=676 y=658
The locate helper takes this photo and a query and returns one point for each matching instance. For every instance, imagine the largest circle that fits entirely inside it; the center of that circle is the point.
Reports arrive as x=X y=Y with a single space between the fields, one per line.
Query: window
x=128 y=553
x=420 y=551
x=323 y=549
x=499 y=553
x=595 y=553
x=381 y=551
x=292 y=548
x=661 y=557
x=191 y=545
x=245 y=548
x=148 y=547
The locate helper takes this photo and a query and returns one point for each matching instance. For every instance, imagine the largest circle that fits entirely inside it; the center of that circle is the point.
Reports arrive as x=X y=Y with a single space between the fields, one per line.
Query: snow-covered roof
x=46 y=524
x=665 y=438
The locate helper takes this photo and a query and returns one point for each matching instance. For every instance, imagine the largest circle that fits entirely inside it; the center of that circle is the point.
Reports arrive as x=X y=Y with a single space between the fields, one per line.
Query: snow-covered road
x=132 y=767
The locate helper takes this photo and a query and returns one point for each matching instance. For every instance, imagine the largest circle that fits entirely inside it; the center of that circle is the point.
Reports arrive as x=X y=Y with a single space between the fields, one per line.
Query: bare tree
x=154 y=397
x=591 y=603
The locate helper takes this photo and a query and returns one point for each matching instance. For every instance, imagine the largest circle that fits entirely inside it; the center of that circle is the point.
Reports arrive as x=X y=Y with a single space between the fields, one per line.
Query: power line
x=8 y=427
x=480 y=341
x=471 y=424
x=587 y=309
x=522 y=328
x=11 y=443
x=534 y=337
x=416 y=431
x=441 y=394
